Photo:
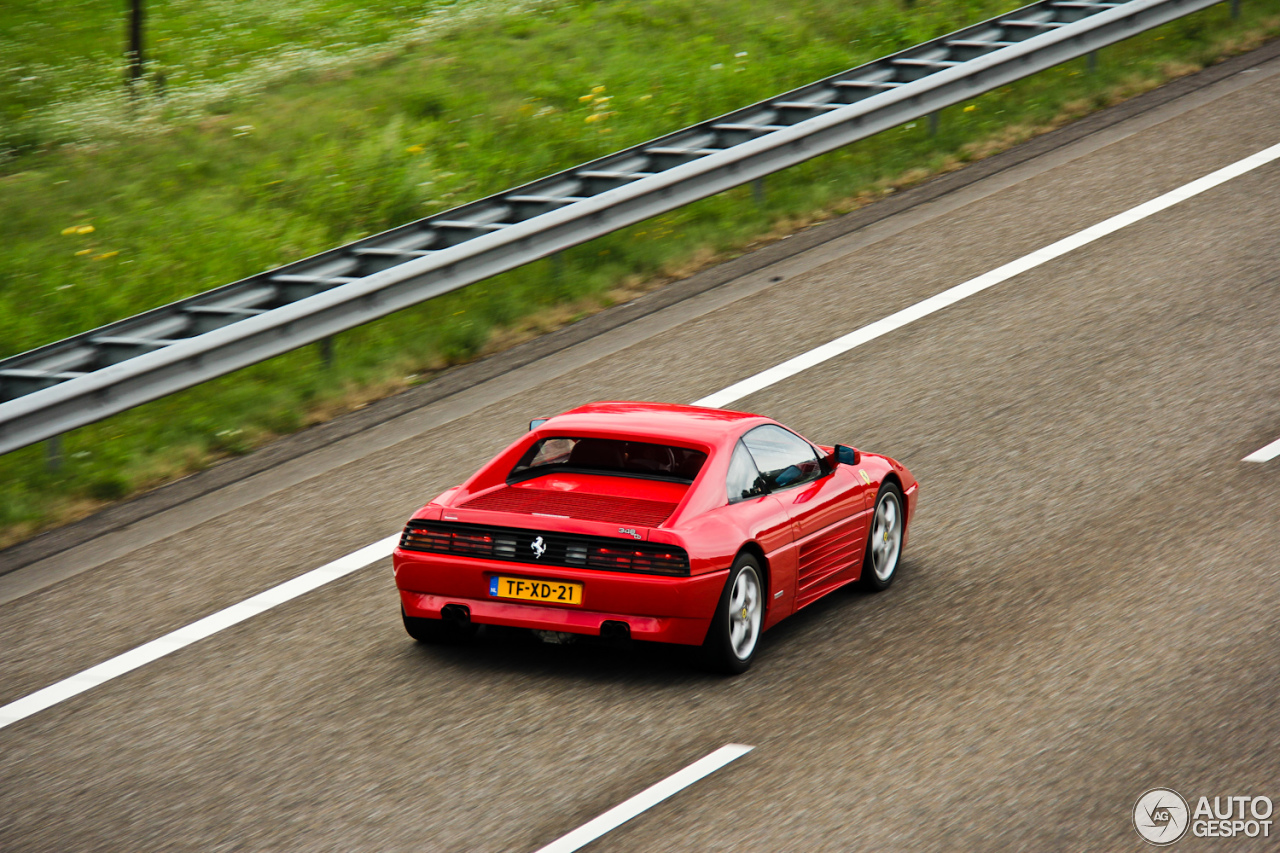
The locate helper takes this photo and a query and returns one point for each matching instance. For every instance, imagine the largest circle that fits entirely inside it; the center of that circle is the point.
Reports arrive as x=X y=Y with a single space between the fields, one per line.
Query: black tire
x=884 y=540
x=734 y=634
x=434 y=631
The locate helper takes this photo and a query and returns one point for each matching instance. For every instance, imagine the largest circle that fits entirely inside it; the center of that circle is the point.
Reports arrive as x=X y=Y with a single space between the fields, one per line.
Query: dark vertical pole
x=134 y=53
x=558 y=272
x=1235 y=10
x=326 y=352
x=1093 y=61
x=53 y=454
x=757 y=191
x=934 y=118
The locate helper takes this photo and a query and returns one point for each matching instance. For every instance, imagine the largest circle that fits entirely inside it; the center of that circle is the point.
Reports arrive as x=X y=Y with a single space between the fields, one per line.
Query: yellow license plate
x=524 y=589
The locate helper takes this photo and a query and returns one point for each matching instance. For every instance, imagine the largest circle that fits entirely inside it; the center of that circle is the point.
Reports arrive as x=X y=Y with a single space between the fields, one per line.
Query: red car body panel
x=811 y=537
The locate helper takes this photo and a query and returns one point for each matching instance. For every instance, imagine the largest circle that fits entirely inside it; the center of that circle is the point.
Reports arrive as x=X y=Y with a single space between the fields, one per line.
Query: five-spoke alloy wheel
x=735 y=630
x=884 y=542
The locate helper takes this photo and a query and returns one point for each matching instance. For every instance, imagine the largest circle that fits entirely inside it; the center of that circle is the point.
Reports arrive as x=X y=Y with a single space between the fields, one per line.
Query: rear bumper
x=655 y=608
x=662 y=629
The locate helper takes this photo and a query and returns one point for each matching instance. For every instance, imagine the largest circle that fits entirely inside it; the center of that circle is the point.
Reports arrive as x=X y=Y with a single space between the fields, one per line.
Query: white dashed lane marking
x=950 y=297
x=1265 y=454
x=646 y=799
x=183 y=637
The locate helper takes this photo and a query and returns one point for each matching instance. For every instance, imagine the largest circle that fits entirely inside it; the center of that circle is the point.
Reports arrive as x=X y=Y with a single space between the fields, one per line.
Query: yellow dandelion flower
x=970 y=108
x=596 y=117
x=646 y=97
x=598 y=90
x=415 y=149
x=70 y=230
x=84 y=252
x=105 y=255
x=585 y=98
x=85 y=229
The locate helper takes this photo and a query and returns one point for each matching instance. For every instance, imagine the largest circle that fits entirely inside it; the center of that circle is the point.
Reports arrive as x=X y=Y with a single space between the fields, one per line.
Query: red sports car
x=656 y=522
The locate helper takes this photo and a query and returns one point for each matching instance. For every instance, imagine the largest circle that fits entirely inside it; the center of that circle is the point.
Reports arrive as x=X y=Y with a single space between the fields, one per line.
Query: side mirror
x=846 y=455
x=537 y=422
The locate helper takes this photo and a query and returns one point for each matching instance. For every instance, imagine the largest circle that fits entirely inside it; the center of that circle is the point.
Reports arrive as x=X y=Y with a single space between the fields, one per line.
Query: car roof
x=664 y=421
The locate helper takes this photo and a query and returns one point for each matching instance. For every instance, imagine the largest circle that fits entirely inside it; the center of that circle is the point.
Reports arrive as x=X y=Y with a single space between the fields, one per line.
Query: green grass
x=63 y=61
x=310 y=124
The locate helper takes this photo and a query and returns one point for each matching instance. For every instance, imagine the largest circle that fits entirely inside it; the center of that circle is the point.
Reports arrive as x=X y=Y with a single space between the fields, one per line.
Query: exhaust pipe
x=615 y=630
x=458 y=615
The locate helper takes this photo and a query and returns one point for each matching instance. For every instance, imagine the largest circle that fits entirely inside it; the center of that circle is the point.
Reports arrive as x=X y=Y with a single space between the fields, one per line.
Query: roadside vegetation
x=270 y=132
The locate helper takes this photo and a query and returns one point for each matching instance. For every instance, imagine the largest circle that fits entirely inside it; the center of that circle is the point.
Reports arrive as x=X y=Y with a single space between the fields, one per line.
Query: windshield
x=609 y=456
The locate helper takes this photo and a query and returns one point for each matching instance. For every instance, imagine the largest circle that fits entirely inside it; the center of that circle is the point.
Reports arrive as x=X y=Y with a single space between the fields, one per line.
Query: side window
x=784 y=458
x=744 y=478
x=551 y=451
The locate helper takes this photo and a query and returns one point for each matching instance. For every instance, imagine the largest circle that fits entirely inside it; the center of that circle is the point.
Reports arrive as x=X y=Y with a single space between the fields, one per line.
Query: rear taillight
x=418 y=539
x=544 y=548
x=634 y=560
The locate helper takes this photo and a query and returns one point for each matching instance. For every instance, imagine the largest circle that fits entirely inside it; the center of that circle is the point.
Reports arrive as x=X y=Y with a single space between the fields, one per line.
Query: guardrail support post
x=757 y=191
x=1093 y=61
x=326 y=352
x=53 y=454
x=1235 y=10
x=934 y=119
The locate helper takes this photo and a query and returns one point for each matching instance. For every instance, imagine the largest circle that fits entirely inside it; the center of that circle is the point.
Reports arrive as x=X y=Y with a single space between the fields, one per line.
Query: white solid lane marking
x=131 y=660
x=874 y=330
x=183 y=637
x=646 y=799
x=1266 y=454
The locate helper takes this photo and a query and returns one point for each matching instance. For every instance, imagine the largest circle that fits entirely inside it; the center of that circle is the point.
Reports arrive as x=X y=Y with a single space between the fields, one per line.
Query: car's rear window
x=609 y=456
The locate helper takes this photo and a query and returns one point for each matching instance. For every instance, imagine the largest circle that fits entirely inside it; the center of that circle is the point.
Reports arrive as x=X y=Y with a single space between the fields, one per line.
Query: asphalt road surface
x=1086 y=609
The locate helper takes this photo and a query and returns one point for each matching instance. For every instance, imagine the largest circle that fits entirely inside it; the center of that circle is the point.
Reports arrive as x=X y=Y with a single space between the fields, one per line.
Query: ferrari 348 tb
x=658 y=522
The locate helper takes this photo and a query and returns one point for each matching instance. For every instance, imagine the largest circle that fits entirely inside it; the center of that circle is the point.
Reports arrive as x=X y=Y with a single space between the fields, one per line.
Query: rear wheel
x=884 y=542
x=735 y=630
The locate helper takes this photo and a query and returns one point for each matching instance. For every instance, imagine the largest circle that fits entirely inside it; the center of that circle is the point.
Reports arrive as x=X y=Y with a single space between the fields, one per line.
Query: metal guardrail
x=73 y=382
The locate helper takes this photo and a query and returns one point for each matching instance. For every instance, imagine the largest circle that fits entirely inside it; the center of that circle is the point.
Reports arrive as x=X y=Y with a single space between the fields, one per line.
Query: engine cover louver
x=632 y=512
